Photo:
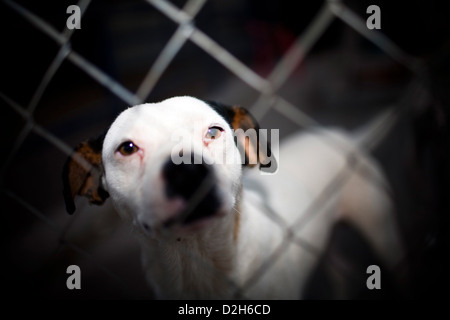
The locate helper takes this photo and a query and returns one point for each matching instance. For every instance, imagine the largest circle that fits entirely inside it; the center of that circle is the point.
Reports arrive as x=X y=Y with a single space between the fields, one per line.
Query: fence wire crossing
x=269 y=98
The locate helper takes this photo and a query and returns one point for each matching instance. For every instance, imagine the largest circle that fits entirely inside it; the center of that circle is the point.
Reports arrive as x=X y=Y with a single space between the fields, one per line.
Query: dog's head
x=174 y=162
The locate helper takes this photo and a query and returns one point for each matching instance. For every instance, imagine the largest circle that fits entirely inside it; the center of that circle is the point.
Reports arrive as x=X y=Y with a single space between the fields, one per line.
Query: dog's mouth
x=191 y=190
x=191 y=214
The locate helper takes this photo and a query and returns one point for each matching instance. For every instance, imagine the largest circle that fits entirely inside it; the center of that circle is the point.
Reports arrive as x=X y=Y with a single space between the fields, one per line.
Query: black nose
x=183 y=179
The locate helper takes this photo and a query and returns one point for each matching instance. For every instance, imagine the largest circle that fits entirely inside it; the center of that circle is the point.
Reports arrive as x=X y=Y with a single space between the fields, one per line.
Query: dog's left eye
x=127 y=148
x=213 y=133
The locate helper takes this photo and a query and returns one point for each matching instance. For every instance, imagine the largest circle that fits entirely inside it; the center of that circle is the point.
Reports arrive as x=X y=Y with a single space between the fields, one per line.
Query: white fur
x=218 y=259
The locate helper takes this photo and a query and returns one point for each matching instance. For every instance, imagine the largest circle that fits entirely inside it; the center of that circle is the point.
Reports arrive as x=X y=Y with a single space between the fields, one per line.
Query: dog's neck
x=195 y=266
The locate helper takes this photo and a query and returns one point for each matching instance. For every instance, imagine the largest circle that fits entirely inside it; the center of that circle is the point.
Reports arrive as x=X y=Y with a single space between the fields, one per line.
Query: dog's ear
x=248 y=136
x=82 y=174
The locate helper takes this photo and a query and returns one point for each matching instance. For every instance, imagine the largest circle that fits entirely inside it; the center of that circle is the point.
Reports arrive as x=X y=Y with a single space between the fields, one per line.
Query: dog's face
x=140 y=155
x=177 y=162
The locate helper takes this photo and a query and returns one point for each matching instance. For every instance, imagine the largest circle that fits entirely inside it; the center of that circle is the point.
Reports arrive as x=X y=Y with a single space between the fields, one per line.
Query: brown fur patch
x=237 y=226
x=243 y=120
x=87 y=152
x=237 y=215
x=83 y=175
x=81 y=180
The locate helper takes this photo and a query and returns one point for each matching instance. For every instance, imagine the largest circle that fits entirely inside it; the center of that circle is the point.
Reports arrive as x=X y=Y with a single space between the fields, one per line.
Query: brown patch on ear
x=243 y=119
x=82 y=174
x=254 y=151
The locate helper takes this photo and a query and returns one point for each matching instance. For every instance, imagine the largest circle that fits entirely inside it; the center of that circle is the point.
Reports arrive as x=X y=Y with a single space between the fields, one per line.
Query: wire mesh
x=269 y=98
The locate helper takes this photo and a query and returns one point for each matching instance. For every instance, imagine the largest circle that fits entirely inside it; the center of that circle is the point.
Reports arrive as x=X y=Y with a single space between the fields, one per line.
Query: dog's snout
x=183 y=179
x=191 y=182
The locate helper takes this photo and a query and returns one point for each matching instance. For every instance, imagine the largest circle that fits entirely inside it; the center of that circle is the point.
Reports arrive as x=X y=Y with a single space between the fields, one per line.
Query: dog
x=210 y=224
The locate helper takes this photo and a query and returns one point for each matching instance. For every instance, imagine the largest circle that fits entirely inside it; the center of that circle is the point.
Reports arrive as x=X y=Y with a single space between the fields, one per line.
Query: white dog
x=174 y=171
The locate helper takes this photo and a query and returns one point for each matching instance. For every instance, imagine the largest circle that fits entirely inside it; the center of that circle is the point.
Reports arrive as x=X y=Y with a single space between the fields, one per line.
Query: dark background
x=344 y=81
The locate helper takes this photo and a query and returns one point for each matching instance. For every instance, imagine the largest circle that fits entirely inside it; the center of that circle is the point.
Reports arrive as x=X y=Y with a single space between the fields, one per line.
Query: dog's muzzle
x=193 y=183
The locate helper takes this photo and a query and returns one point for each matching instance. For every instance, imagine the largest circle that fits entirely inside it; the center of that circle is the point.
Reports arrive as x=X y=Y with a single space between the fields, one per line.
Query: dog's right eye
x=127 y=148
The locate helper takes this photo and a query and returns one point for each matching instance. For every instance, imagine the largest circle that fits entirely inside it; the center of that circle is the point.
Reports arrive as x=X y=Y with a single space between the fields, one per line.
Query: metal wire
x=268 y=98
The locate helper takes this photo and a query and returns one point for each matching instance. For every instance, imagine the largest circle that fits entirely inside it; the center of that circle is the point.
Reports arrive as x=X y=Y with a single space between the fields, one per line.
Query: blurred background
x=344 y=81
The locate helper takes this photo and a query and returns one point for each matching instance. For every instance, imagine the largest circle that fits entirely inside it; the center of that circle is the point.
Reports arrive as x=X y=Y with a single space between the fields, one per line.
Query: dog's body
x=208 y=230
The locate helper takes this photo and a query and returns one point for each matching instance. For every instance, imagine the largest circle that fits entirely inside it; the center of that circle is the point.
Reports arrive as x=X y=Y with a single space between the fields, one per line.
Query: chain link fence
x=292 y=80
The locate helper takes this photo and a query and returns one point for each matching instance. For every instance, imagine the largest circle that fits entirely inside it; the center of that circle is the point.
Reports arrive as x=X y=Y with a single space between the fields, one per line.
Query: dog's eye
x=127 y=148
x=213 y=133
